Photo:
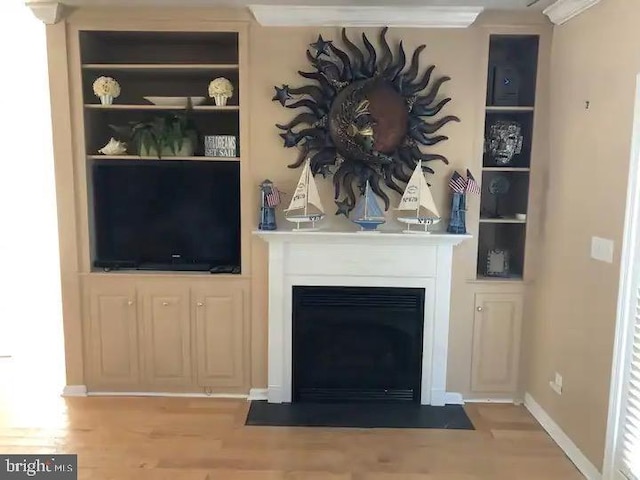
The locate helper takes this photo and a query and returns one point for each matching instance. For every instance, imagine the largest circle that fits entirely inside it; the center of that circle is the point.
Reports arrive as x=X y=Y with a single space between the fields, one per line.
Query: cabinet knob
x=165 y=304
x=130 y=302
x=200 y=304
x=479 y=309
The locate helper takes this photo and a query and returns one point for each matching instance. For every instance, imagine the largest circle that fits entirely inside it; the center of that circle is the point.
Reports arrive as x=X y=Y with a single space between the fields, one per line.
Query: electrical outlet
x=556 y=384
x=558 y=379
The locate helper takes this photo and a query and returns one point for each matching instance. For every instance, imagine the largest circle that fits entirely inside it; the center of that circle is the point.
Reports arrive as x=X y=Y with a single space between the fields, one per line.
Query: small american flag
x=273 y=197
x=457 y=183
x=472 y=185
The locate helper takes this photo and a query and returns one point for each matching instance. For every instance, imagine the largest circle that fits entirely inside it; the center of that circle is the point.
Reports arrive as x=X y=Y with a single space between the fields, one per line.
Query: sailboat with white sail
x=367 y=213
x=305 y=206
x=417 y=200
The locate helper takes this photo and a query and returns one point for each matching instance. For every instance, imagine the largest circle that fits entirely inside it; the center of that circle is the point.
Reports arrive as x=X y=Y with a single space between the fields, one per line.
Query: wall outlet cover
x=602 y=249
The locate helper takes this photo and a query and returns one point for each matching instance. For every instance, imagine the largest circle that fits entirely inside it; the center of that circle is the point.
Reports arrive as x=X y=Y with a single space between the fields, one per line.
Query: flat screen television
x=166 y=215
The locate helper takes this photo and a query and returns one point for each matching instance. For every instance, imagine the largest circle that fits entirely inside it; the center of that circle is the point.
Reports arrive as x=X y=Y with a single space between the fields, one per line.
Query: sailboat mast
x=419 y=190
x=306 y=193
x=366 y=200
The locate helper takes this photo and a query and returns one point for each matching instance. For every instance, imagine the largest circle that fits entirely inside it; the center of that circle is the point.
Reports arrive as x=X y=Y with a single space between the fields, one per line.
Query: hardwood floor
x=205 y=439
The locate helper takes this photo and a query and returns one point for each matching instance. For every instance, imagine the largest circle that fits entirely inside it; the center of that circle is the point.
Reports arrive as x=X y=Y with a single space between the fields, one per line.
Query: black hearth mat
x=357 y=415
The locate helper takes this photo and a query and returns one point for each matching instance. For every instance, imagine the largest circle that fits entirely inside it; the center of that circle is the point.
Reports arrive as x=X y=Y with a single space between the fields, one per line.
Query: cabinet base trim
x=168 y=394
x=562 y=439
x=493 y=400
x=74 y=391
x=453 y=398
x=258 y=394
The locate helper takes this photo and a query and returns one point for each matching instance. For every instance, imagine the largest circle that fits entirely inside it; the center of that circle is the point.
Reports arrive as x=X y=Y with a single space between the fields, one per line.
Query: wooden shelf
x=506 y=169
x=510 y=279
x=502 y=220
x=138 y=157
x=509 y=109
x=154 y=67
x=196 y=108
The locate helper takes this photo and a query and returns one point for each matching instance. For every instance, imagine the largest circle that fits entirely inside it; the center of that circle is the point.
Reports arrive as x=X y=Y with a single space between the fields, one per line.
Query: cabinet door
x=113 y=335
x=219 y=337
x=496 y=343
x=166 y=334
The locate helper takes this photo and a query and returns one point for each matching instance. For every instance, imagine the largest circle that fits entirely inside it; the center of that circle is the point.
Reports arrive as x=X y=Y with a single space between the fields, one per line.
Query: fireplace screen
x=357 y=344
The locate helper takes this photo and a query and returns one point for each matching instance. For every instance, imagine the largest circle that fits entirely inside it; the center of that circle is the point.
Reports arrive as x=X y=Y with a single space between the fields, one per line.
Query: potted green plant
x=162 y=136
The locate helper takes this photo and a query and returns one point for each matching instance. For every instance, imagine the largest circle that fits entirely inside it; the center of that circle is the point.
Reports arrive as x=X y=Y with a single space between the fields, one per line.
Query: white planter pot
x=106 y=99
x=220 y=100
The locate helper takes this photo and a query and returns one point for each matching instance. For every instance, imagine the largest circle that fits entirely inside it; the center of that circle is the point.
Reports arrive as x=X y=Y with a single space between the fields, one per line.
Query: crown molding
x=564 y=10
x=363 y=16
x=47 y=12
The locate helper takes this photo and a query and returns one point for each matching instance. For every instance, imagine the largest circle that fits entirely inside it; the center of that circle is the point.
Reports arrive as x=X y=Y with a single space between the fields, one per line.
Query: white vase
x=106 y=99
x=220 y=100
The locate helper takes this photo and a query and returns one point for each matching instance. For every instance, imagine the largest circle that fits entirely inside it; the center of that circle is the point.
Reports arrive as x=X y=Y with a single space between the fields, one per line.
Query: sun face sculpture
x=365 y=117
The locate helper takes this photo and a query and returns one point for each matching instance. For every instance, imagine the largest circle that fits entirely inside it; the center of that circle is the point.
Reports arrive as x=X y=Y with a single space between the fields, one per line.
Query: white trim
x=74 y=391
x=562 y=439
x=453 y=398
x=168 y=394
x=509 y=401
x=258 y=394
x=623 y=319
x=365 y=16
x=47 y=12
x=564 y=10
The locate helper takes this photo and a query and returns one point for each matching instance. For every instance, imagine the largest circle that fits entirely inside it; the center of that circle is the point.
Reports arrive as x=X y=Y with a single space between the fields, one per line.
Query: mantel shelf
x=155 y=67
x=196 y=108
x=138 y=157
x=358 y=237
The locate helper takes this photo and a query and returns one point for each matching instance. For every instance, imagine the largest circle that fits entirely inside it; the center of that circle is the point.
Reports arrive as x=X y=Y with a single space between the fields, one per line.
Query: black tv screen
x=166 y=215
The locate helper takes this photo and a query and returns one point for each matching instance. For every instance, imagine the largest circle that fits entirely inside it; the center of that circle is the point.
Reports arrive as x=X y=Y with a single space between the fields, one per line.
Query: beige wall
x=276 y=54
x=595 y=58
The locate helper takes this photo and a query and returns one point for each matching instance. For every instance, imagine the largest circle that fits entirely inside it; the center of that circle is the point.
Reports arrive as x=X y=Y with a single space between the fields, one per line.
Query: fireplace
x=357 y=344
x=340 y=259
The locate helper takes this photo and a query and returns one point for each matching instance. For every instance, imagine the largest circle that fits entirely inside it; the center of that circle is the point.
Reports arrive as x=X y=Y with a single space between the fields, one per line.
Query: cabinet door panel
x=113 y=336
x=496 y=343
x=219 y=339
x=166 y=335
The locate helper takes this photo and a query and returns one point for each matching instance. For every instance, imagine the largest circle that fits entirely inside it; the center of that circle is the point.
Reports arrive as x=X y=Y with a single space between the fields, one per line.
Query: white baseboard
x=258 y=394
x=74 y=391
x=453 y=398
x=491 y=400
x=168 y=394
x=562 y=439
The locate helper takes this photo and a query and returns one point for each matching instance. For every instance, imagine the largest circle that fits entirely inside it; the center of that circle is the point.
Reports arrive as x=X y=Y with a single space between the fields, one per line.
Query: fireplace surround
x=351 y=259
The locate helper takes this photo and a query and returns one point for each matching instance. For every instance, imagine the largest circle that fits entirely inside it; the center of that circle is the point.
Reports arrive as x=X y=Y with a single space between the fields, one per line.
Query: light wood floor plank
x=121 y=438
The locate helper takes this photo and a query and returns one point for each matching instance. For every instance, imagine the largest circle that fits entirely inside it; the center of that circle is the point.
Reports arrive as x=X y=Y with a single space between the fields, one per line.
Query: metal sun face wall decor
x=365 y=117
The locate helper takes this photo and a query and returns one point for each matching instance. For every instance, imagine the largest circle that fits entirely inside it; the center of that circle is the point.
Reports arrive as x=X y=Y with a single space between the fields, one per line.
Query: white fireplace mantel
x=379 y=259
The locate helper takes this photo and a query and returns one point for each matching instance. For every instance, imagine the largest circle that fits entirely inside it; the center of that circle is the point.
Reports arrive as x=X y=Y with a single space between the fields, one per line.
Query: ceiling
x=488 y=4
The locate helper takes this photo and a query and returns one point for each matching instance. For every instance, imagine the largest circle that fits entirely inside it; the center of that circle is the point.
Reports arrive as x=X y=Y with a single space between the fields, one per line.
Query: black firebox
x=357 y=344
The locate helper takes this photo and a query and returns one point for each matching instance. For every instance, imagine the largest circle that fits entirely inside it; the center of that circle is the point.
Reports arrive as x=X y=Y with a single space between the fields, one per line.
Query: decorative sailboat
x=367 y=213
x=305 y=196
x=418 y=200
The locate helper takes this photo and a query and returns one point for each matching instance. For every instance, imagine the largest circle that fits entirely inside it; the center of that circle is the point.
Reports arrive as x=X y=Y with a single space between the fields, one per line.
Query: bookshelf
x=507 y=160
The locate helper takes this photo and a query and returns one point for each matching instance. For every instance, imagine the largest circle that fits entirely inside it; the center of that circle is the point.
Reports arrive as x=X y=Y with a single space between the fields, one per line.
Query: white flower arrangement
x=106 y=86
x=220 y=87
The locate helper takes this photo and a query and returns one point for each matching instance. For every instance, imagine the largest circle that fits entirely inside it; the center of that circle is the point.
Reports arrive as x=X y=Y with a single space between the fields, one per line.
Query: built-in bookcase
x=511 y=97
x=156 y=64
x=170 y=64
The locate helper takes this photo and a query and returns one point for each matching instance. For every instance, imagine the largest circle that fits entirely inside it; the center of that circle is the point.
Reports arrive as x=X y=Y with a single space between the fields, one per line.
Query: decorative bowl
x=175 y=101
